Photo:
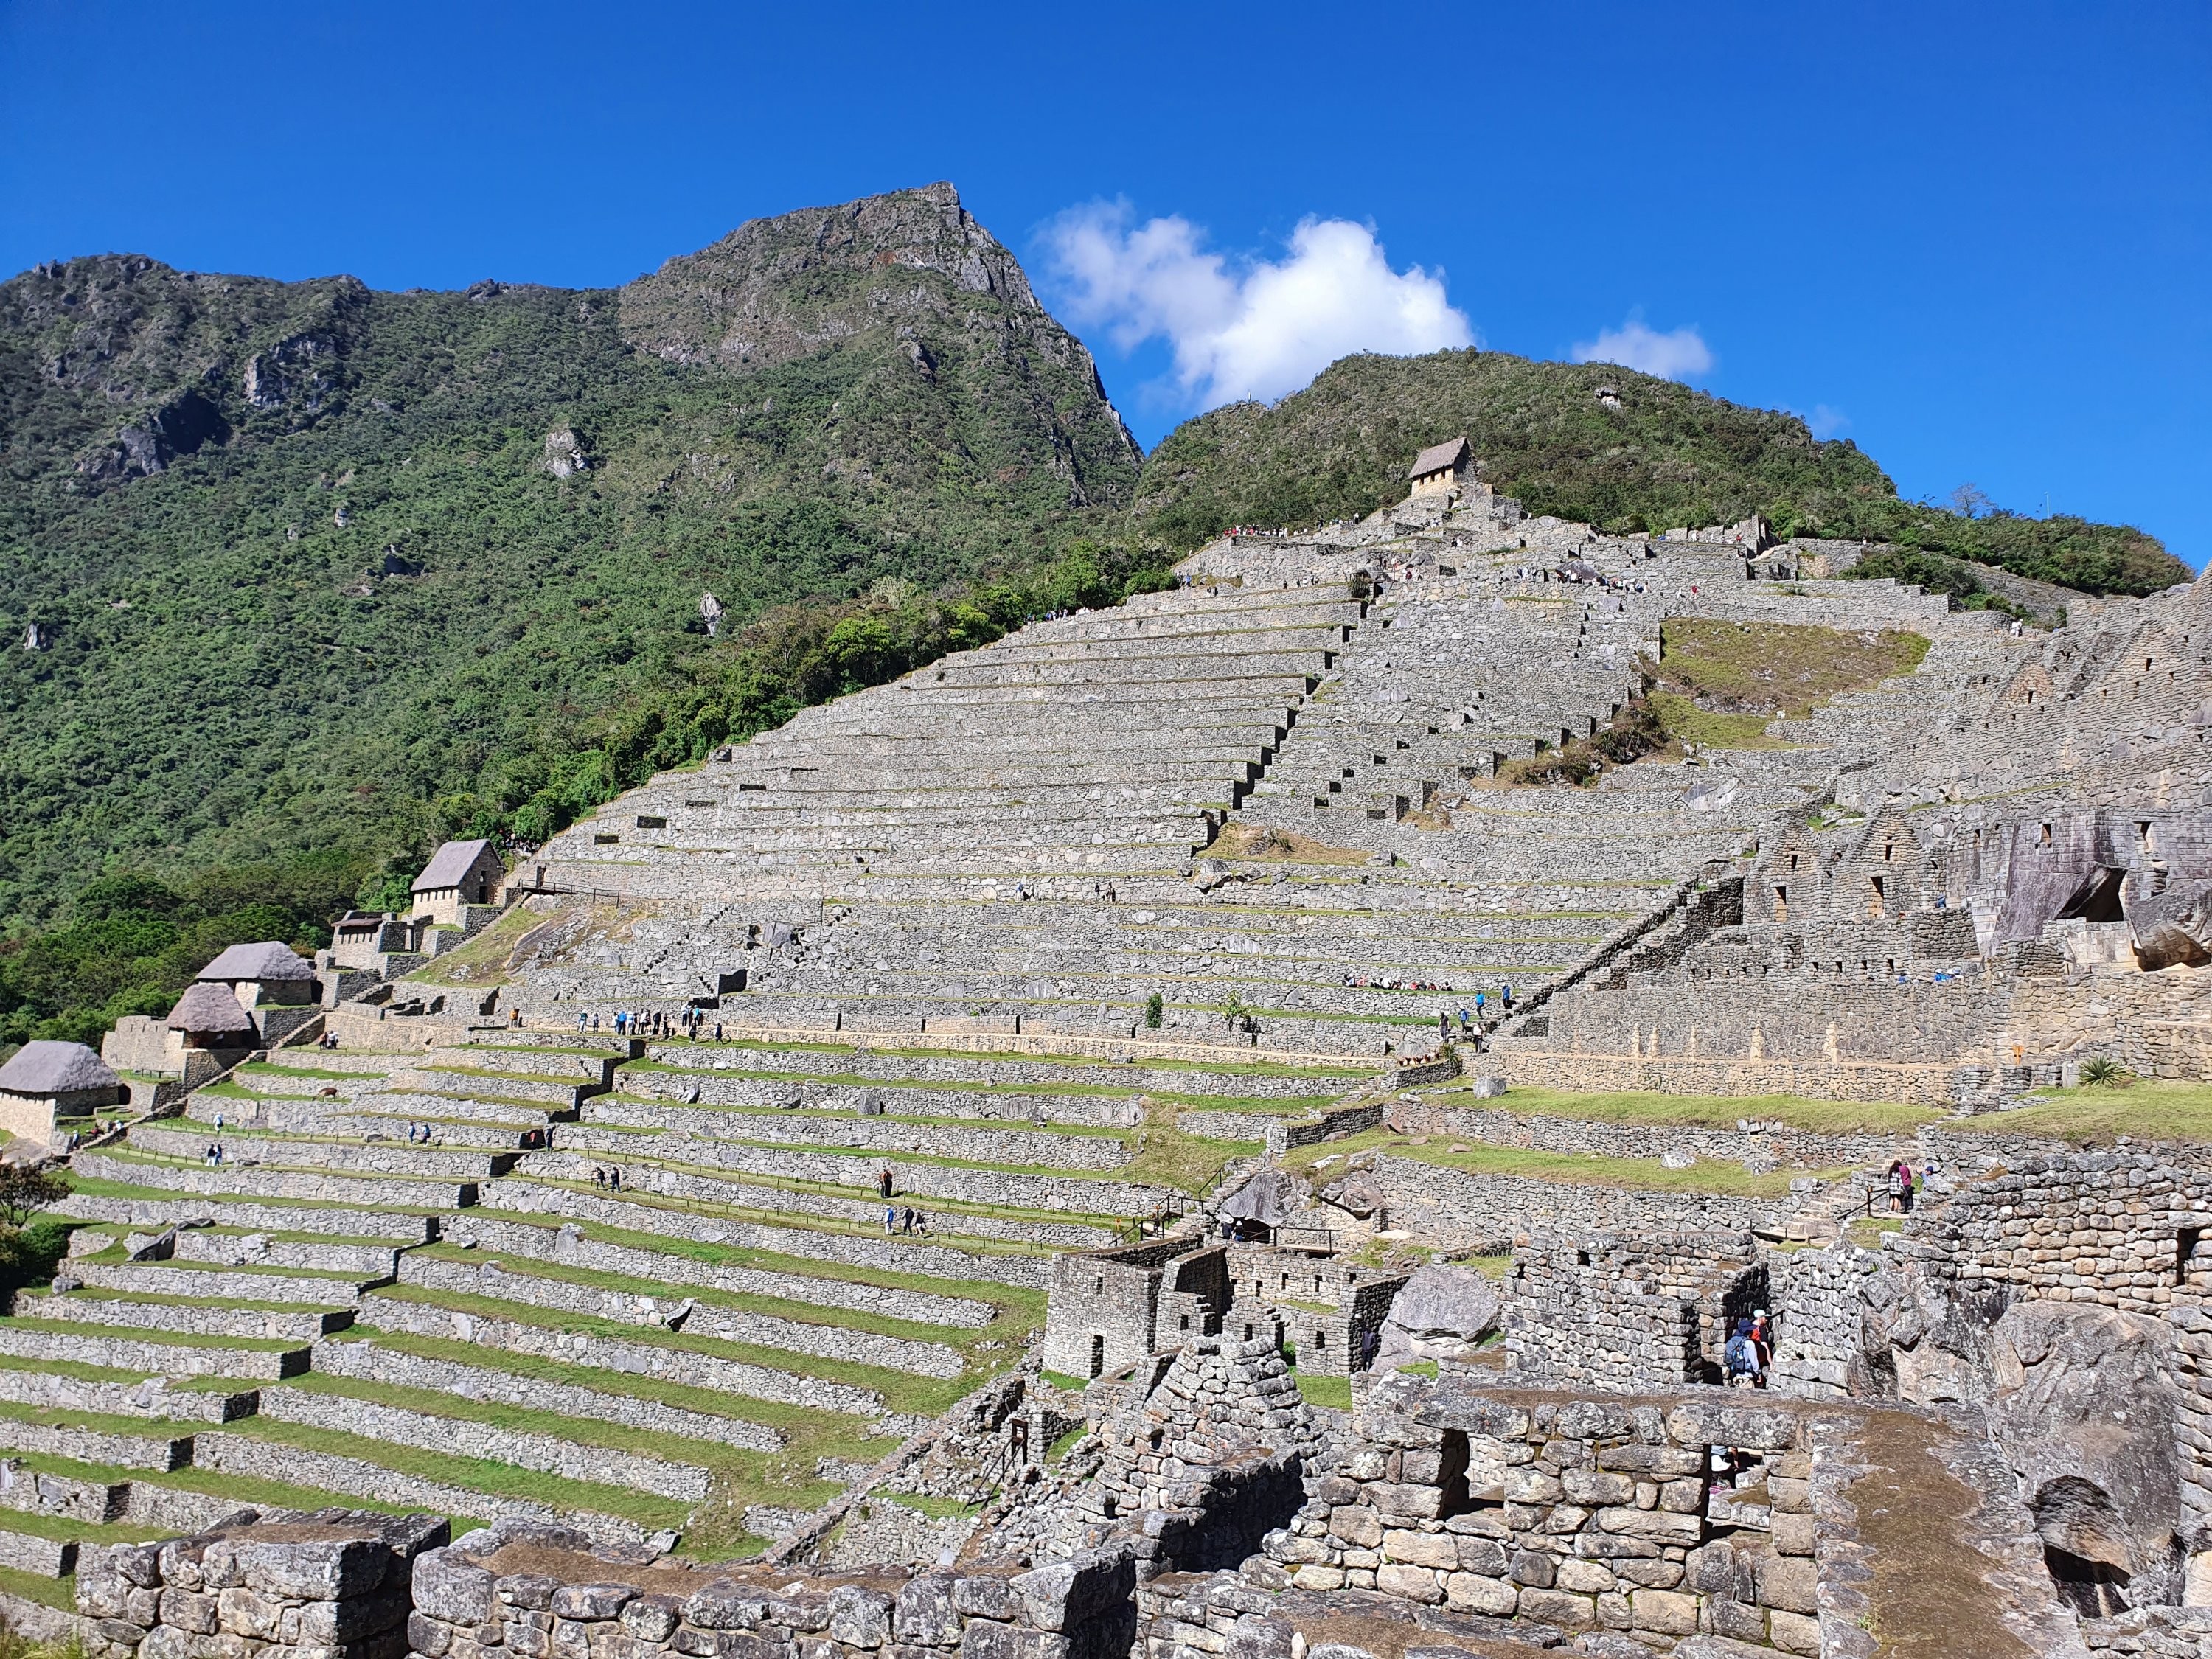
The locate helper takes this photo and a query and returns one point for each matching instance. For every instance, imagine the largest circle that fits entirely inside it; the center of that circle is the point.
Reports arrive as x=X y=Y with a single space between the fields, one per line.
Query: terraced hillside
x=648 y=1289
x=1272 y=801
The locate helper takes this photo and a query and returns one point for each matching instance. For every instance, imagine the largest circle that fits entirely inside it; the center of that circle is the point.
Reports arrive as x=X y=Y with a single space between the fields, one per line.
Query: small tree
x=1155 y=1011
x=23 y=1189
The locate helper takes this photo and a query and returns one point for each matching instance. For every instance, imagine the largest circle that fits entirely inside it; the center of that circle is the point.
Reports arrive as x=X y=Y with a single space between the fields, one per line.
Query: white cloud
x=1258 y=330
x=1674 y=356
x=1826 y=422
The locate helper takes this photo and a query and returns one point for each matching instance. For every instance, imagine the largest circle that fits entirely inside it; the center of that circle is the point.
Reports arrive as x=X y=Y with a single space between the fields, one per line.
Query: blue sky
x=1976 y=239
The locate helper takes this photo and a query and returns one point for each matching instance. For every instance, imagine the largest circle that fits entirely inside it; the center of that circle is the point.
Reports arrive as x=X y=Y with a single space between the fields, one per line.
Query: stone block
x=860 y=1618
x=190 y=1610
x=330 y=1570
x=429 y=1637
x=1584 y=1577
x=528 y=1642
x=651 y=1618
x=1793 y=1633
x=1667 y=1612
x=1684 y=1496
x=1613 y=1611
x=1355 y=1524
x=1594 y=1487
x=927 y=1613
x=979 y=1597
x=527 y=1589
x=1535 y=1568
x=338 y=1624
x=585 y=1602
x=984 y=1639
x=1410 y=1584
x=1793 y=1535
x=1483 y=1593
x=1314 y=1576
x=1785 y=1496
x=244 y=1612
x=1421 y=1503
x=1788 y=1582
x=1560 y=1608
x=1419 y=1549
x=1657 y=1525
x=1737 y=1620
x=1486 y=1556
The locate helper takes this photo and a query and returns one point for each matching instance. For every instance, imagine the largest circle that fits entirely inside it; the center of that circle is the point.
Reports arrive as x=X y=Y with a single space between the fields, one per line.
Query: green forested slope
x=1667 y=456
x=300 y=565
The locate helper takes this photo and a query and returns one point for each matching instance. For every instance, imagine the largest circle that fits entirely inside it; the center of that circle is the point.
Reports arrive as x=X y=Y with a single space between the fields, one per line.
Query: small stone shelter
x=459 y=873
x=1439 y=469
x=44 y=1081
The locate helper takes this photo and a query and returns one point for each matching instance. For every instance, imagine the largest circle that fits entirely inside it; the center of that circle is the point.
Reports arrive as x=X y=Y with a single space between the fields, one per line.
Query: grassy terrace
x=1567 y=1168
x=1702 y=1111
x=1002 y=1090
x=901 y=1391
x=101 y=1187
x=1023 y=1309
x=785 y=1478
x=802 y=1313
x=2150 y=1109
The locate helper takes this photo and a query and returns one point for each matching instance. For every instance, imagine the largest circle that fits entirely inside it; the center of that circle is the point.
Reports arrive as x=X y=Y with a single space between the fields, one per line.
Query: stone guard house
x=267 y=974
x=44 y=1081
x=1440 y=469
x=461 y=874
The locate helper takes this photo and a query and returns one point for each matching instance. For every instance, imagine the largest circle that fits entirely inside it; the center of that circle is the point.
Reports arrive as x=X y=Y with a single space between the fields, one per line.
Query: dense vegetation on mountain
x=302 y=559
x=1654 y=455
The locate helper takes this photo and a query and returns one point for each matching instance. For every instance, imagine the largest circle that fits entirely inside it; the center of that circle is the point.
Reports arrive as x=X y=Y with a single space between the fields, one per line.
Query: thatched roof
x=1438 y=458
x=207 y=1010
x=45 y=1067
x=265 y=961
x=450 y=864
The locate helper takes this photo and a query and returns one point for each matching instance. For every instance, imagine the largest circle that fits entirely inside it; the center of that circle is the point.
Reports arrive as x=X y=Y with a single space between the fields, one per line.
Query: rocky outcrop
x=1442 y=1313
x=2083 y=1404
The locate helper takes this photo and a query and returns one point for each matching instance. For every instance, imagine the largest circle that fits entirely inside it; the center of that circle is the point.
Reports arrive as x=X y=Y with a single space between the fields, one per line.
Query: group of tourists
x=610 y=1179
x=418 y=1134
x=692 y=1022
x=1749 y=1354
x=1361 y=982
x=906 y=1220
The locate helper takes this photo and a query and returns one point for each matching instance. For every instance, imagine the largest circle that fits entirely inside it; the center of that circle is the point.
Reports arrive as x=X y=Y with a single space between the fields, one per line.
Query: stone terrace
x=412 y=1281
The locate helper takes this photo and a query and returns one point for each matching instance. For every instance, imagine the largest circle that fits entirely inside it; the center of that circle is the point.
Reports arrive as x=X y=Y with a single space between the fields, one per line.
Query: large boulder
x=2082 y=1400
x=1442 y=1313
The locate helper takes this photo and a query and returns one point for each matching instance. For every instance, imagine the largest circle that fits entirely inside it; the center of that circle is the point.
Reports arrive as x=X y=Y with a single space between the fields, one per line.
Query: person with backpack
x=1740 y=1358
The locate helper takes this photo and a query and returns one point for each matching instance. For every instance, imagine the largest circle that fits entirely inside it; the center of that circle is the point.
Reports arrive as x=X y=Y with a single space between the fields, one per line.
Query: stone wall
x=1760 y=1146
x=334 y=1582
x=535 y=1593
x=1450 y=1209
x=1569 y=1514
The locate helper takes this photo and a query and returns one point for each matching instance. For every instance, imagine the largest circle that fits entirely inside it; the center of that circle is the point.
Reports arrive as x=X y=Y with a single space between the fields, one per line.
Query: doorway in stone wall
x=1097 y=1354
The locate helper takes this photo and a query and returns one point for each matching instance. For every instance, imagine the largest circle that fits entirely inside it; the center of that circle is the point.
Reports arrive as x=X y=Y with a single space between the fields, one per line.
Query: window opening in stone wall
x=1888 y=851
x=1321 y=1339
x=1874 y=895
x=2184 y=1252
x=1782 y=905
x=2045 y=841
x=2142 y=832
x=1098 y=1285
x=1582 y=1258
x=1097 y=1355
x=1793 y=860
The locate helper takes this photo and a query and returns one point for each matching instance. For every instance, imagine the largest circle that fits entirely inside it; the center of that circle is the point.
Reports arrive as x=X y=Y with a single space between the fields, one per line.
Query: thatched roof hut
x=209 y=1014
x=261 y=962
x=47 y=1070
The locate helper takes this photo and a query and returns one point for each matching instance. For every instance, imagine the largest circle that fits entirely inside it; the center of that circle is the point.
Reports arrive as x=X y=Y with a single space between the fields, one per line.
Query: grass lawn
x=2154 y=1109
x=1704 y=1111
x=1569 y=1169
x=1778 y=667
x=1334 y=1391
